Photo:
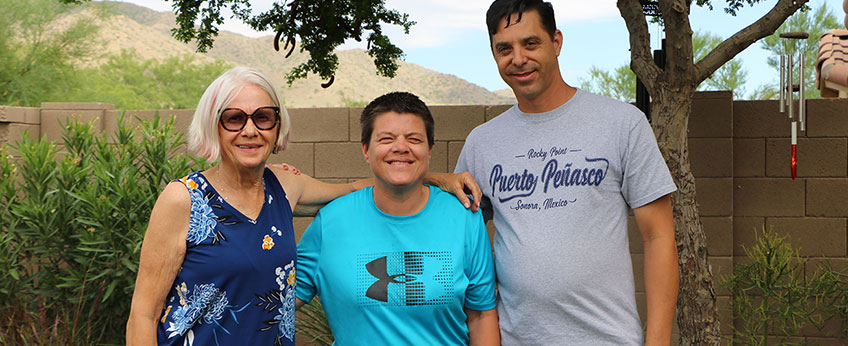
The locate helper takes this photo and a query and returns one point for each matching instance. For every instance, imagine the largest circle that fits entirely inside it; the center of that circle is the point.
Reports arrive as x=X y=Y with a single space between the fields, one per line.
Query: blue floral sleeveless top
x=236 y=284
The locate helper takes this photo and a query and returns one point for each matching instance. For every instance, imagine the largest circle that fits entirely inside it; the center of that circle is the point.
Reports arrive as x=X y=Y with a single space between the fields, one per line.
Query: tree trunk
x=697 y=317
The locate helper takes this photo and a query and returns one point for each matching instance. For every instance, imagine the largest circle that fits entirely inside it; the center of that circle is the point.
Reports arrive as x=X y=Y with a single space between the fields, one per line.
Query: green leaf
x=91 y=249
x=109 y=290
x=132 y=266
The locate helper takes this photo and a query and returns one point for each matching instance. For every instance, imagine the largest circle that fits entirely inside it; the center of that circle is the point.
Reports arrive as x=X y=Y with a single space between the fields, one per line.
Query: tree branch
x=732 y=46
x=641 y=61
x=678 y=36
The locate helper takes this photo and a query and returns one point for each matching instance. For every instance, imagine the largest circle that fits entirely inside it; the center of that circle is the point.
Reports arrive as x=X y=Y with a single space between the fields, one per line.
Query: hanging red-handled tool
x=794 y=164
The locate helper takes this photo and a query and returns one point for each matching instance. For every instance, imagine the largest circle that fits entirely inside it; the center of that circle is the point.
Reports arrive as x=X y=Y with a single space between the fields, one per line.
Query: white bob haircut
x=203 y=132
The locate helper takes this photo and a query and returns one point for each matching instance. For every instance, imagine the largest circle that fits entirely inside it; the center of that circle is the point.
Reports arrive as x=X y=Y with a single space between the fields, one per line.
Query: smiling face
x=398 y=151
x=250 y=147
x=526 y=56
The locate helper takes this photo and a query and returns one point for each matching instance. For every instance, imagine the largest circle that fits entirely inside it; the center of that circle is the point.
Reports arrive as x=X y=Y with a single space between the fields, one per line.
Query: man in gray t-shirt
x=560 y=171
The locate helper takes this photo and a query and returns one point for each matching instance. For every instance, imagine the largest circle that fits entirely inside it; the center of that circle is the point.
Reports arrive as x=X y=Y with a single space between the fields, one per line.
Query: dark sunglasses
x=264 y=118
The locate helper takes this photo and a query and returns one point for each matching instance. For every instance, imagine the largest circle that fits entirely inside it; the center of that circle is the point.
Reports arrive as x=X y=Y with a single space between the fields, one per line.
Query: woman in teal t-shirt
x=401 y=263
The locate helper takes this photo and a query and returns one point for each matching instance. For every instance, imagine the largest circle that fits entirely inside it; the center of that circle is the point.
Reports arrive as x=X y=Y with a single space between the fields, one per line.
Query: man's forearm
x=661 y=285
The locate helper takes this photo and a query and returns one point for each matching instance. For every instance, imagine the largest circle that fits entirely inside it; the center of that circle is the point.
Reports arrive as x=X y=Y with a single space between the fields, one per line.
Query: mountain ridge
x=356 y=83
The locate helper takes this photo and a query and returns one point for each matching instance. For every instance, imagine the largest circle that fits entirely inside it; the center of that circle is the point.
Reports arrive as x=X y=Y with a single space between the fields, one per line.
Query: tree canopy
x=317 y=26
x=36 y=59
x=620 y=83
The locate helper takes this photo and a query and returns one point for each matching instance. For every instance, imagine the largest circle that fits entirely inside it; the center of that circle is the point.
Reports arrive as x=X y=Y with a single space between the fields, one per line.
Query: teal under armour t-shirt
x=385 y=279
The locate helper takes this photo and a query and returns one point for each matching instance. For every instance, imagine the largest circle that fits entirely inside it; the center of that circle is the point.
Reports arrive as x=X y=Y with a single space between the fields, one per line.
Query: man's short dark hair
x=399 y=102
x=501 y=9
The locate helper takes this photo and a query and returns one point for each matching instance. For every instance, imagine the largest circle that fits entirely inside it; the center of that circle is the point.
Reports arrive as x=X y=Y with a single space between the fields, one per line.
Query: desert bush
x=770 y=295
x=73 y=218
x=834 y=294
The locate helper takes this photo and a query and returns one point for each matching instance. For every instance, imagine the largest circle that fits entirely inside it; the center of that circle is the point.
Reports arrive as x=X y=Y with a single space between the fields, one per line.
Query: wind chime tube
x=794 y=133
x=793 y=161
x=802 y=100
x=789 y=87
x=782 y=83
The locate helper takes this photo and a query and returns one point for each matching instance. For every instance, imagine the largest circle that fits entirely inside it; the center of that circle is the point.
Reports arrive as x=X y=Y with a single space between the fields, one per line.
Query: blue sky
x=451 y=36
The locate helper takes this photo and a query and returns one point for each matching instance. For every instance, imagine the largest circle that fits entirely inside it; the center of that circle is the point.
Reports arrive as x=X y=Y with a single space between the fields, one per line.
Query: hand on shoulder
x=283 y=167
x=289 y=177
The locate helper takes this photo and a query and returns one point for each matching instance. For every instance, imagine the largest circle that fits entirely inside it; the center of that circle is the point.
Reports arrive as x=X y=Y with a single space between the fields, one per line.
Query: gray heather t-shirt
x=561 y=184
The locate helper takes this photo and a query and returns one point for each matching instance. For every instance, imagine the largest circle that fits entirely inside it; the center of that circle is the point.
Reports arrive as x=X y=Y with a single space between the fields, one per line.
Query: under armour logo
x=380 y=289
x=405 y=278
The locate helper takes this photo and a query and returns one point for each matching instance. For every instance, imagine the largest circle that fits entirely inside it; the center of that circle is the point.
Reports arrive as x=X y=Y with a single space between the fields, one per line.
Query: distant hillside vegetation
x=356 y=82
x=505 y=93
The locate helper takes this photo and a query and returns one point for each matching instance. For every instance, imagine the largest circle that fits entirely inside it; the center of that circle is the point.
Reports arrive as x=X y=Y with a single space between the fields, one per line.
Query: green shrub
x=72 y=224
x=770 y=296
x=834 y=295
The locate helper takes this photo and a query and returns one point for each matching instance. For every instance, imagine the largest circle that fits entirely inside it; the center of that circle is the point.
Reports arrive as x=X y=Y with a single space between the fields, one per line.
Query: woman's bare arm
x=483 y=327
x=162 y=254
x=307 y=194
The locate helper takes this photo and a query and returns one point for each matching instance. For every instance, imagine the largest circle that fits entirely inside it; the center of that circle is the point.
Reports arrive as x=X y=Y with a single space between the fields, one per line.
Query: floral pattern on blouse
x=268 y=239
x=282 y=302
x=202 y=221
x=285 y=314
x=205 y=304
x=208 y=307
x=267 y=243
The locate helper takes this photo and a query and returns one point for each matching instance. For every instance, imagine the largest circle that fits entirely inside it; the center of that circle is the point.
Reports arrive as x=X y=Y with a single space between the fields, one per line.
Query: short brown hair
x=506 y=8
x=400 y=102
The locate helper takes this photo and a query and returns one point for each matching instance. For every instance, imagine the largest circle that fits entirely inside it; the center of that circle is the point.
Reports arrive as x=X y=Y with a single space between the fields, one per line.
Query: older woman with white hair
x=218 y=259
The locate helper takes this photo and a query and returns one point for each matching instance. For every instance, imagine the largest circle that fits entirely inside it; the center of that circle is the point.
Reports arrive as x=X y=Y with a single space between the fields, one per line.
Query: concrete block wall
x=15 y=121
x=739 y=153
x=809 y=210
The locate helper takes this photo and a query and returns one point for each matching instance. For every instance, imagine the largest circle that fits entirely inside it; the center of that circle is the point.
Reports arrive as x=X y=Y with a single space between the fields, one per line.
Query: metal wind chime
x=787 y=91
